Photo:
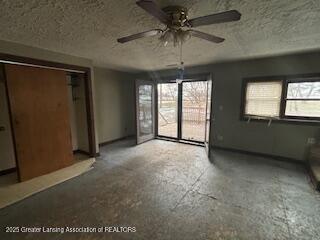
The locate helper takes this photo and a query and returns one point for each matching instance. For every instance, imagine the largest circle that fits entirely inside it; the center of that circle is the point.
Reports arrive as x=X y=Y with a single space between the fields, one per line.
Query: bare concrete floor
x=171 y=191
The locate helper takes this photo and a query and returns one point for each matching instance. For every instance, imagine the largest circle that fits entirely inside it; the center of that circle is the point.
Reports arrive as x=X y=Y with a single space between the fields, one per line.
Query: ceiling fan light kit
x=176 y=36
x=179 y=28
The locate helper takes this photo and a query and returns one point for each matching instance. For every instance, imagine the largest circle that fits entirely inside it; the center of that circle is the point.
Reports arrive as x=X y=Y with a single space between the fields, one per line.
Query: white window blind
x=263 y=98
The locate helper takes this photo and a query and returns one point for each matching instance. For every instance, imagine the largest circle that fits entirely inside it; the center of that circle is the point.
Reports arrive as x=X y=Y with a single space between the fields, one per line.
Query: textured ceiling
x=89 y=28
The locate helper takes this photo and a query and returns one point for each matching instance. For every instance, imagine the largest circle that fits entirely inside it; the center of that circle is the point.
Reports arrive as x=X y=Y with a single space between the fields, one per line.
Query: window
x=285 y=98
x=303 y=99
x=263 y=98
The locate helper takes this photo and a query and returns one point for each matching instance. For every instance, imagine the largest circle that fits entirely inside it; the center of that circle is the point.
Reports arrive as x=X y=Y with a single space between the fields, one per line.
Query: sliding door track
x=190 y=142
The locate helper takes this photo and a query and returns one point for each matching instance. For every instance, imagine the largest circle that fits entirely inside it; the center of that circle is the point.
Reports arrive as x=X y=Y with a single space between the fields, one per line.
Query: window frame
x=285 y=79
x=285 y=99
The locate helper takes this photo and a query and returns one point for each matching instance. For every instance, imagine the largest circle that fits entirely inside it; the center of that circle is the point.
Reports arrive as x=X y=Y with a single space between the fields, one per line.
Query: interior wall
x=114 y=103
x=7 y=158
x=281 y=139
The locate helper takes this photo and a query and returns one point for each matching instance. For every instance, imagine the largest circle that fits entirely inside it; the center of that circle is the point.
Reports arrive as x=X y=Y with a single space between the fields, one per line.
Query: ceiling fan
x=178 y=25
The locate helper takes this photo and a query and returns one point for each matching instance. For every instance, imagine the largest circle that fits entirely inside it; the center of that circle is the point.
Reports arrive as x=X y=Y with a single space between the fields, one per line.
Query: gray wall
x=114 y=104
x=286 y=140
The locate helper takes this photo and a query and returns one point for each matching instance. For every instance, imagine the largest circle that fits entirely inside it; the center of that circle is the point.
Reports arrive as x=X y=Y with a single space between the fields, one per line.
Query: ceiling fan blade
x=149 y=33
x=228 y=16
x=206 y=36
x=152 y=8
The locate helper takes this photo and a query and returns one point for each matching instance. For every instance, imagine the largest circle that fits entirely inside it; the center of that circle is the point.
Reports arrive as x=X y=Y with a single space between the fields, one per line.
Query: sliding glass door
x=168 y=110
x=194 y=99
x=183 y=110
x=145 y=111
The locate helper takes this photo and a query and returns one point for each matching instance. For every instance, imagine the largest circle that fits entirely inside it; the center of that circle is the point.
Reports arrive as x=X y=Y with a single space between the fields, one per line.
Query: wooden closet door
x=40 y=117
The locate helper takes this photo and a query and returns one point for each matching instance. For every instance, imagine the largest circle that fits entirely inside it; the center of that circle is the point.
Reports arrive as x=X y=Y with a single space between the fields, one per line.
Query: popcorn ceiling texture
x=89 y=29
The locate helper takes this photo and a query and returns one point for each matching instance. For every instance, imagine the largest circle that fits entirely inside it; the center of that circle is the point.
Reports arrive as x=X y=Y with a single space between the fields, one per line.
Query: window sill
x=280 y=120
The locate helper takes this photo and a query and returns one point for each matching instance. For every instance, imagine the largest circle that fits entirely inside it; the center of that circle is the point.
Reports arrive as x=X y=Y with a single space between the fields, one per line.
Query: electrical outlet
x=311 y=141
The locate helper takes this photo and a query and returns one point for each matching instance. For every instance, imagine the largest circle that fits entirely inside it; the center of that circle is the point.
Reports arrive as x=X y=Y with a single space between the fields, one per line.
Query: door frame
x=180 y=110
x=188 y=78
x=32 y=62
x=157 y=109
x=211 y=119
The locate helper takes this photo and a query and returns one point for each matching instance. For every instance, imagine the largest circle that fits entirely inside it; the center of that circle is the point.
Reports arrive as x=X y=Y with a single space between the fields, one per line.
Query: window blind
x=263 y=98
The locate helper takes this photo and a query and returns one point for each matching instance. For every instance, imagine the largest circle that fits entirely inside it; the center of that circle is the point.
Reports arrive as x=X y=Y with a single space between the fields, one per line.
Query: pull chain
x=180 y=52
x=181 y=67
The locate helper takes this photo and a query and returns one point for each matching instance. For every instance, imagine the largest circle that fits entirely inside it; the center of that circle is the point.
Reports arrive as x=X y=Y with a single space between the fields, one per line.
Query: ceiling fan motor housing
x=179 y=16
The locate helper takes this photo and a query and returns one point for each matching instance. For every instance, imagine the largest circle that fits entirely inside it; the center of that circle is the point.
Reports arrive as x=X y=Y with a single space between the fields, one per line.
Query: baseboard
x=81 y=151
x=7 y=171
x=280 y=158
x=115 y=140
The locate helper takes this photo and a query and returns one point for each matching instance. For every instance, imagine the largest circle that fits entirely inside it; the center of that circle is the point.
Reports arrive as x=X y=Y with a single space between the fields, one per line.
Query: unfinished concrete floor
x=171 y=191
